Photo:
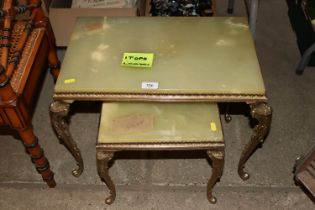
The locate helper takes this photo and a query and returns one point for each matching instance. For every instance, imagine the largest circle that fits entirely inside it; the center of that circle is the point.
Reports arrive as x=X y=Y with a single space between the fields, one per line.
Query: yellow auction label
x=69 y=81
x=213 y=126
x=144 y=60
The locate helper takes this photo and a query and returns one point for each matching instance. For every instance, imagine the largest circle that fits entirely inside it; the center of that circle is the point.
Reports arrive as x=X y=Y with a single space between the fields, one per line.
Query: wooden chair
x=25 y=47
x=304 y=171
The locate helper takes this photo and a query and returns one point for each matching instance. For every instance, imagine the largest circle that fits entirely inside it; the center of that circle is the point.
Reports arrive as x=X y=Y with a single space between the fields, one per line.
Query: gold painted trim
x=248 y=98
x=161 y=146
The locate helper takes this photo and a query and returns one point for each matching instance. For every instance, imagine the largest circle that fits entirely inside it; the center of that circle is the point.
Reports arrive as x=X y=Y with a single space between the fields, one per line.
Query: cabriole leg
x=103 y=157
x=59 y=113
x=217 y=158
x=262 y=113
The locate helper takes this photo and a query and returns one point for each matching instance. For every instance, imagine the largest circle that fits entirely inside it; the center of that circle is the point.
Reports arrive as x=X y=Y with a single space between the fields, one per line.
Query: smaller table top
x=191 y=56
x=160 y=123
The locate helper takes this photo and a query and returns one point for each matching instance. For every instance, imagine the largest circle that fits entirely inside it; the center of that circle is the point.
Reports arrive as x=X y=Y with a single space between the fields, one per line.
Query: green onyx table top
x=159 y=123
x=191 y=56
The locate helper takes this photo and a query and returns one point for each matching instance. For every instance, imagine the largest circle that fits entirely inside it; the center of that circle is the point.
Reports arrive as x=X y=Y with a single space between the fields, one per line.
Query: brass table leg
x=58 y=114
x=103 y=157
x=262 y=113
x=217 y=158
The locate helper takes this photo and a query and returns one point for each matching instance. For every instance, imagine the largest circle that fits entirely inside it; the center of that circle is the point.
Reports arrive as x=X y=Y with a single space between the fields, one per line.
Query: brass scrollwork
x=217 y=158
x=263 y=114
x=103 y=157
x=58 y=113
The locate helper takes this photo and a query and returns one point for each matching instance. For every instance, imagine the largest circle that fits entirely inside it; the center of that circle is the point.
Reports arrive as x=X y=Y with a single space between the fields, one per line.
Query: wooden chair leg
x=43 y=21
x=37 y=155
x=53 y=60
x=54 y=63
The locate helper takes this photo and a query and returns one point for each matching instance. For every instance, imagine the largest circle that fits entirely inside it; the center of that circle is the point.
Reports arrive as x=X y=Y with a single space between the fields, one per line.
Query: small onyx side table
x=159 y=126
x=195 y=60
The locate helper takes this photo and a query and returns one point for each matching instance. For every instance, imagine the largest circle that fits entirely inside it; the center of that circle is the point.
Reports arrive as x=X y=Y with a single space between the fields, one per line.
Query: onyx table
x=195 y=60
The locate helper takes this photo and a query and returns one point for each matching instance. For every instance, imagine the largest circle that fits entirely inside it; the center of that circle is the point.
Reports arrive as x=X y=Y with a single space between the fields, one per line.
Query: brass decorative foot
x=262 y=113
x=227 y=116
x=58 y=114
x=217 y=158
x=103 y=157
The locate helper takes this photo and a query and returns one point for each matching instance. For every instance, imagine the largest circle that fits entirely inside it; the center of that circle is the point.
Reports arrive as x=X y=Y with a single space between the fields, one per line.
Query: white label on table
x=150 y=85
